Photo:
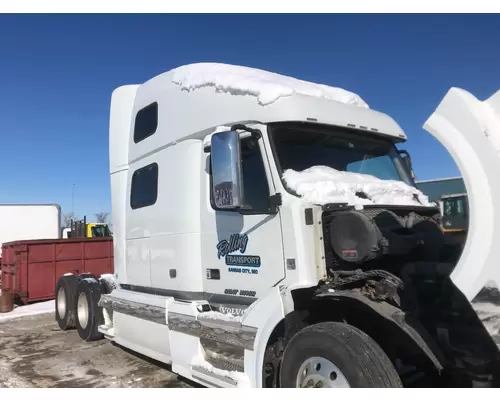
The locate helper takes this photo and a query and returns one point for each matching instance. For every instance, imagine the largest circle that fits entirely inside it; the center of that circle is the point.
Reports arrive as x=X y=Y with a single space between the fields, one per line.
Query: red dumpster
x=31 y=268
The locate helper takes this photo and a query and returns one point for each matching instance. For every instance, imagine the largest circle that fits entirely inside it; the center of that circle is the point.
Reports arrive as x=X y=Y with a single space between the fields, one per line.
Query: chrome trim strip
x=231 y=334
x=146 y=312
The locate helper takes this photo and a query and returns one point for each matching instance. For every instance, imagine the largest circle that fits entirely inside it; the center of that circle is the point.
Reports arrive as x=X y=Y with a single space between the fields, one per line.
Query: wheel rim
x=83 y=310
x=318 y=372
x=61 y=303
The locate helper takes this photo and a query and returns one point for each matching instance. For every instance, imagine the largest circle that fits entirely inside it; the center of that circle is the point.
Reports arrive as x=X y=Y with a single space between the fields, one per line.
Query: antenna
x=73 y=200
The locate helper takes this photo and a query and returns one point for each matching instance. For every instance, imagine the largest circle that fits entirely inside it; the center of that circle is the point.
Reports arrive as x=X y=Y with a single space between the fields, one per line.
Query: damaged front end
x=393 y=264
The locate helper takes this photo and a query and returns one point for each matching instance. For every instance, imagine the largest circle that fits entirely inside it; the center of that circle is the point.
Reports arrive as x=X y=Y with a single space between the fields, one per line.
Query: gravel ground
x=34 y=352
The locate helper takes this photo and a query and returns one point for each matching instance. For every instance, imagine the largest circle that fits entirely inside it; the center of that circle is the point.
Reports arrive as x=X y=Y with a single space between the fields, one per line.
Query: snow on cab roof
x=194 y=99
x=266 y=86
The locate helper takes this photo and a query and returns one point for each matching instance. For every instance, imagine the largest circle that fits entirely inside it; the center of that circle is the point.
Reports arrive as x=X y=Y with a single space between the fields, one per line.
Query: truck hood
x=470 y=130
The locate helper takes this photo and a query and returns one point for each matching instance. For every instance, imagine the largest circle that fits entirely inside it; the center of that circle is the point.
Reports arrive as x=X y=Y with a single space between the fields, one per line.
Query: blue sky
x=57 y=73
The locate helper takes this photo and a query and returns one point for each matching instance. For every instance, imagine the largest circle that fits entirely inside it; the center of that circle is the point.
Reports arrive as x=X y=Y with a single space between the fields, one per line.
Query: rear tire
x=65 y=294
x=333 y=354
x=88 y=315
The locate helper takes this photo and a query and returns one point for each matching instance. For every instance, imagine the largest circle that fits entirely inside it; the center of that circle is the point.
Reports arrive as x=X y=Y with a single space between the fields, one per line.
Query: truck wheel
x=65 y=294
x=336 y=355
x=88 y=314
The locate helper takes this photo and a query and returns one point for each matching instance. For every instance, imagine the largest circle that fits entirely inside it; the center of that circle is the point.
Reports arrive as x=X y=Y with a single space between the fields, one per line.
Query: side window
x=146 y=122
x=254 y=178
x=144 y=187
x=454 y=207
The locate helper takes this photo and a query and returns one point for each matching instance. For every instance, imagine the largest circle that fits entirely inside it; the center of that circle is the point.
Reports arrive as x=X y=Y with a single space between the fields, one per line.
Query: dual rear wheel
x=77 y=299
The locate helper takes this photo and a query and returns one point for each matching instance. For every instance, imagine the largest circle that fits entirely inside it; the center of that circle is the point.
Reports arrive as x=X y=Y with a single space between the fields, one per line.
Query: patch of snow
x=45 y=307
x=90 y=280
x=109 y=281
x=266 y=86
x=108 y=277
x=215 y=315
x=68 y=274
x=491 y=285
x=325 y=185
x=241 y=379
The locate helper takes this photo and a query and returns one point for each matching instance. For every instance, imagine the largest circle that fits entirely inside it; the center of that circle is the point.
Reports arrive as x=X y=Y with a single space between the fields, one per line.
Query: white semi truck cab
x=268 y=233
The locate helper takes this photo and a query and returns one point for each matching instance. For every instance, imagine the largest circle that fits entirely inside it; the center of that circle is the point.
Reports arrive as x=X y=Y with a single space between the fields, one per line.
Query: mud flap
x=470 y=130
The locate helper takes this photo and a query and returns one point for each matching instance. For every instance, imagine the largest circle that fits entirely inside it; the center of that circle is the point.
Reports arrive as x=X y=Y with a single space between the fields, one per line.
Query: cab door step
x=210 y=378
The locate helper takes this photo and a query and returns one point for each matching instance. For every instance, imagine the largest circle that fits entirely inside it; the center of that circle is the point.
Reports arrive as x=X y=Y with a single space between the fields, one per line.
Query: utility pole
x=73 y=200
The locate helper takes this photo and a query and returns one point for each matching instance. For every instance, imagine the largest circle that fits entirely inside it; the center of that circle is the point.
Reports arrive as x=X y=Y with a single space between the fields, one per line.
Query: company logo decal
x=238 y=243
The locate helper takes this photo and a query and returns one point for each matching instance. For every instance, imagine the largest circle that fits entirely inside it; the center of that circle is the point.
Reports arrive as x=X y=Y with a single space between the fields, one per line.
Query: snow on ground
x=266 y=86
x=325 y=185
x=45 y=307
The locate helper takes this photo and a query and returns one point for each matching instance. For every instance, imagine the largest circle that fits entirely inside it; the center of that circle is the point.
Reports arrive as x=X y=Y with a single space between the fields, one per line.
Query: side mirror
x=226 y=170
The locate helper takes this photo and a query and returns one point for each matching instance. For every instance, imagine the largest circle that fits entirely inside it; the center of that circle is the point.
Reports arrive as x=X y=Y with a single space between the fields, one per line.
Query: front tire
x=88 y=314
x=336 y=355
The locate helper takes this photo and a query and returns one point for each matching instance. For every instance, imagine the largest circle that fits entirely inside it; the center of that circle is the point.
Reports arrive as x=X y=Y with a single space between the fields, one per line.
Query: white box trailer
x=268 y=233
x=29 y=221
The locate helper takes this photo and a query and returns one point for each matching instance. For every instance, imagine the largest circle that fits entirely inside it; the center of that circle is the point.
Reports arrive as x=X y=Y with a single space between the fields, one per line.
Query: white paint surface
x=266 y=86
x=325 y=185
x=29 y=310
x=120 y=120
x=470 y=130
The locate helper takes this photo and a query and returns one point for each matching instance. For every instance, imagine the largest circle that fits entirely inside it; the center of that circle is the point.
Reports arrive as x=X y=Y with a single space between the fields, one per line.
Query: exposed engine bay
x=395 y=260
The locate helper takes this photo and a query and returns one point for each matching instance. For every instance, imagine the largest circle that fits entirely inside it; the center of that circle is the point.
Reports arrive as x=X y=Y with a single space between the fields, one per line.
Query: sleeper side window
x=146 y=122
x=144 y=187
x=254 y=178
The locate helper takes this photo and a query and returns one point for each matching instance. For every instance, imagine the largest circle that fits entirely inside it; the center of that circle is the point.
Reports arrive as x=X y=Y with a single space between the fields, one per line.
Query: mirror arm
x=256 y=133
x=405 y=152
x=275 y=201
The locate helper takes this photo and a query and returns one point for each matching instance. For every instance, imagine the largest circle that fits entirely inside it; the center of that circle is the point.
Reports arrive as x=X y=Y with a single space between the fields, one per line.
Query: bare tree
x=67 y=218
x=101 y=217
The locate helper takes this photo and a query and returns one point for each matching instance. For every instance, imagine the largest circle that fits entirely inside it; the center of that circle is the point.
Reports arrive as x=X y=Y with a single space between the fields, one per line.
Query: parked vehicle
x=29 y=221
x=31 y=268
x=268 y=233
x=84 y=229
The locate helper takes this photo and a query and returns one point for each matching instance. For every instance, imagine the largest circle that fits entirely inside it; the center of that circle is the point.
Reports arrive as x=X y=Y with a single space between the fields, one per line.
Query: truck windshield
x=304 y=146
x=100 y=231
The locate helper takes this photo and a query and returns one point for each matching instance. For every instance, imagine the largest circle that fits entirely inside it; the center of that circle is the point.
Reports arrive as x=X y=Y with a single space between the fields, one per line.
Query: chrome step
x=222 y=361
x=205 y=371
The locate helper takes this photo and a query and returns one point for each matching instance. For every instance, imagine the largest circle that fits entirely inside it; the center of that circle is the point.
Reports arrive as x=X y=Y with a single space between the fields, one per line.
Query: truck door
x=242 y=251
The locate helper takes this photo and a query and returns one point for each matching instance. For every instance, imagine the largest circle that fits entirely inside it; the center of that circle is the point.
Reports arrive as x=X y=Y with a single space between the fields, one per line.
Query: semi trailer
x=268 y=233
x=29 y=221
